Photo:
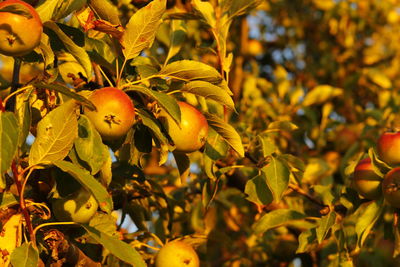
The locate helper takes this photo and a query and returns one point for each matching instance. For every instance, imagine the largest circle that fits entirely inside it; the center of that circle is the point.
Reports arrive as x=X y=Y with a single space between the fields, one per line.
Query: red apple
x=388 y=147
x=366 y=181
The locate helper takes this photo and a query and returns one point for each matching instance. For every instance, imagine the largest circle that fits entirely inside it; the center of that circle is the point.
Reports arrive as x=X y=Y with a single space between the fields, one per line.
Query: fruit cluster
x=367 y=179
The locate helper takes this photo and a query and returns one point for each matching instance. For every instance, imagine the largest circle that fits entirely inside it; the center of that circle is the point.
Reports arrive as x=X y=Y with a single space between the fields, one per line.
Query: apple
x=177 y=254
x=366 y=181
x=192 y=132
x=391 y=187
x=20 y=28
x=115 y=113
x=78 y=207
x=388 y=148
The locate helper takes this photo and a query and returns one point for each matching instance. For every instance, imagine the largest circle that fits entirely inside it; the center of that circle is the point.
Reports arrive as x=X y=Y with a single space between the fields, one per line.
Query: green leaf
x=68 y=92
x=368 y=213
x=178 y=36
x=321 y=94
x=117 y=247
x=183 y=162
x=277 y=174
x=275 y=219
x=267 y=145
x=67 y=7
x=325 y=224
x=190 y=70
x=89 y=182
x=209 y=90
x=79 y=53
x=25 y=256
x=206 y=10
x=8 y=142
x=24 y=114
x=106 y=10
x=56 y=134
x=141 y=28
x=18 y=9
x=281 y=126
x=227 y=132
x=168 y=103
x=47 y=8
x=239 y=7
x=7 y=199
x=153 y=124
x=306 y=239
x=89 y=145
x=257 y=190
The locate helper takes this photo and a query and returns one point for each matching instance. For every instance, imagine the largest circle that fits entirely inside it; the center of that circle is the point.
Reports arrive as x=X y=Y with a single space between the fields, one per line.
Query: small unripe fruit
x=191 y=134
x=78 y=207
x=391 y=187
x=366 y=181
x=388 y=147
x=19 y=33
x=115 y=113
x=177 y=254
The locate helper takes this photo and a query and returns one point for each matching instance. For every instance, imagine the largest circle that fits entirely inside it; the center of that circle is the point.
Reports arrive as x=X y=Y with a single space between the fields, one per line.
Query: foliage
x=288 y=124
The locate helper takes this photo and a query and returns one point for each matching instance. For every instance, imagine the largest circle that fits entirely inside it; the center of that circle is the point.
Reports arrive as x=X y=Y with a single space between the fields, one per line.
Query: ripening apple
x=20 y=28
x=115 y=113
x=366 y=181
x=391 y=187
x=78 y=207
x=177 y=254
x=388 y=147
x=191 y=134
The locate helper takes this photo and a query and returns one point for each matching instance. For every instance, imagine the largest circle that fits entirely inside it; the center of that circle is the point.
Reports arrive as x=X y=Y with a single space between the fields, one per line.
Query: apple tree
x=199 y=133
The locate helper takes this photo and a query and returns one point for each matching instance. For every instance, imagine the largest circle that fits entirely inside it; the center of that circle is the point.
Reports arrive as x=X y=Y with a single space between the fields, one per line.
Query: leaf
x=306 y=239
x=141 y=28
x=239 y=7
x=227 y=132
x=178 y=37
x=7 y=199
x=368 y=213
x=89 y=145
x=267 y=145
x=117 y=247
x=321 y=94
x=183 y=162
x=153 y=124
x=277 y=174
x=275 y=219
x=209 y=90
x=324 y=4
x=68 y=92
x=67 y=7
x=24 y=115
x=8 y=142
x=56 y=134
x=18 y=9
x=167 y=102
x=281 y=126
x=89 y=182
x=25 y=256
x=106 y=10
x=47 y=8
x=78 y=52
x=206 y=10
x=325 y=224
x=379 y=78
x=190 y=70
x=257 y=190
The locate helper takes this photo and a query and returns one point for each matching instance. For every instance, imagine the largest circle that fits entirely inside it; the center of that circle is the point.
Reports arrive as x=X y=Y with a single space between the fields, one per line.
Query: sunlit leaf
x=117 y=247
x=8 y=142
x=275 y=219
x=257 y=190
x=227 y=132
x=56 y=134
x=141 y=28
x=277 y=177
x=320 y=94
x=325 y=224
x=89 y=182
x=25 y=256
x=369 y=214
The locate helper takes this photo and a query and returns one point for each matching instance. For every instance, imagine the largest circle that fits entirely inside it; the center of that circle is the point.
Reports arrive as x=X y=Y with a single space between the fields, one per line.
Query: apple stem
x=14 y=84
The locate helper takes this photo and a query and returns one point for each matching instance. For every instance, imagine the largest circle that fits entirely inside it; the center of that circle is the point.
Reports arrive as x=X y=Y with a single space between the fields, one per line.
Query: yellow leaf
x=324 y=4
x=379 y=79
